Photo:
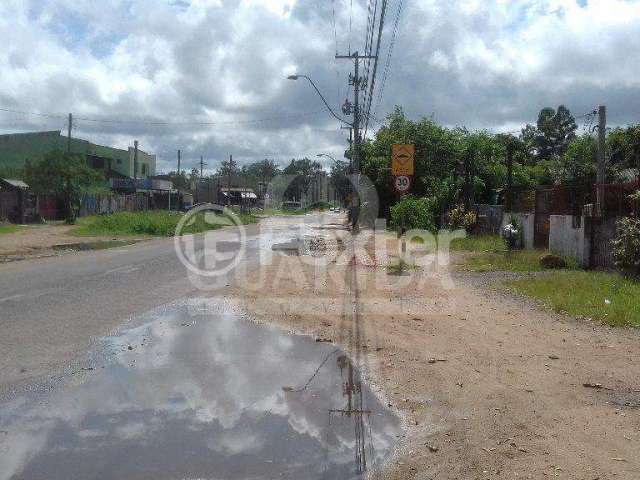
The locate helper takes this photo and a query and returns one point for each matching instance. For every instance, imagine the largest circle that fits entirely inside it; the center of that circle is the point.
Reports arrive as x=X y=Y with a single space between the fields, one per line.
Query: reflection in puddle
x=197 y=392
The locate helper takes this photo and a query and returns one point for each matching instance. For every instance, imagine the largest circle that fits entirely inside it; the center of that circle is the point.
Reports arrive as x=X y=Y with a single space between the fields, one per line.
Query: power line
x=375 y=65
x=350 y=23
x=389 y=55
x=335 y=29
x=371 y=22
x=162 y=123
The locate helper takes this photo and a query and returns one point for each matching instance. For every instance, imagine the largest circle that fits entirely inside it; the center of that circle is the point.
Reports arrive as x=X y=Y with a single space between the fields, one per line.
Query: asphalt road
x=51 y=309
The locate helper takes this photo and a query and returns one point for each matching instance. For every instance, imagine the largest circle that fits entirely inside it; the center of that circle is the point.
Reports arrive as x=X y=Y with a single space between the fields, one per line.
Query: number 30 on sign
x=402 y=183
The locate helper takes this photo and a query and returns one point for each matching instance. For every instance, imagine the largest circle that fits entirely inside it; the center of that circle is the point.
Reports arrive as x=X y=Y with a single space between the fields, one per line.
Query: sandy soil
x=38 y=240
x=489 y=386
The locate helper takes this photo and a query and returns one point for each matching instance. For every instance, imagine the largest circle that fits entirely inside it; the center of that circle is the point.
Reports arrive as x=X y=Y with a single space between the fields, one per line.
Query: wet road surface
x=197 y=391
x=51 y=309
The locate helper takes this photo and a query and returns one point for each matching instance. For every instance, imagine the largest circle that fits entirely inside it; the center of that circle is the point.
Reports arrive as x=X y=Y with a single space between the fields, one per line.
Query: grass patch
x=488 y=253
x=479 y=243
x=8 y=228
x=606 y=297
x=158 y=223
x=517 y=261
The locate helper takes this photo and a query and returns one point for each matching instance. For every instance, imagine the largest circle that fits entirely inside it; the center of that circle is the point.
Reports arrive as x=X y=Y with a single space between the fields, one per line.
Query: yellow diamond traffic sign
x=402 y=159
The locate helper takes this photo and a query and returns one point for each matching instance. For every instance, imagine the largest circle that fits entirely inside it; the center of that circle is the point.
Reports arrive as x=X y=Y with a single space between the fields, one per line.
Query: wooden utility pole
x=229 y=179
x=509 y=177
x=601 y=171
x=358 y=84
x=178 y=163
x=69 y=133
x=135 y=159
x=202 y=164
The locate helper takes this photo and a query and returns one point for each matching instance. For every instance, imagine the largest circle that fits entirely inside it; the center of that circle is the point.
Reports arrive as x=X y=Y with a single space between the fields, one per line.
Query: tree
x=339 y=178
x=65 y=175
x=303 y=171
x=180 y=180
x=551 y=136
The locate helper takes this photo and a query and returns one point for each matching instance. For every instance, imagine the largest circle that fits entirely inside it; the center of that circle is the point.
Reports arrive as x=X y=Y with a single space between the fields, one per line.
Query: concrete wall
x=143 y=159
x=489 y=218
x=569 y=238
x=527 y=220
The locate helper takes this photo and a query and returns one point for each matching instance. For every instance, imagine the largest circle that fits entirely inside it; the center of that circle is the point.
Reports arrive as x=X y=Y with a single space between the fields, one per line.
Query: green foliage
x=601 y=296
x=303 y=172
x=179 y=180
x=154 y=223
x=339 y=178
x=460 y=218
x=413 y=213
x=623 y=145
x=552 y=135
x=626 y=245
x=65 y=175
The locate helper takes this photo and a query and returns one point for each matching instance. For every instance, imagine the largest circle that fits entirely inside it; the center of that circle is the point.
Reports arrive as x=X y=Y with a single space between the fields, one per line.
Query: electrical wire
x=389 y=55
x=163 y=123
x=375 y=66
x=335 y=29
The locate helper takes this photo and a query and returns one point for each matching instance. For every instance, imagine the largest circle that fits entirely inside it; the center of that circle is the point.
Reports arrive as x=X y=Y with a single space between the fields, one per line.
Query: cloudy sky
x=209 y=76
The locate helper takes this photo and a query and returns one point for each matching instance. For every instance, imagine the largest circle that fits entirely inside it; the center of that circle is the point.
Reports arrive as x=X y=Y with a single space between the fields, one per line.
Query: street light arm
x=295 y=77
x=325 y=155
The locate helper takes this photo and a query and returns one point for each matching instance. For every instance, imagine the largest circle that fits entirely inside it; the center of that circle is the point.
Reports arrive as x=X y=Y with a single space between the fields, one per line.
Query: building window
x=144 y=169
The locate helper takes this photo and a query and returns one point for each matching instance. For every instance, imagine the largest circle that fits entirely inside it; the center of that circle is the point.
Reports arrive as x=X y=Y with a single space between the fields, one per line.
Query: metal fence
x=98 y=204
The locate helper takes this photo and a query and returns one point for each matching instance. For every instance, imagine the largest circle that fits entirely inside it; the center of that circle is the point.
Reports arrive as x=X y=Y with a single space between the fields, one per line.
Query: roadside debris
x=597 y=386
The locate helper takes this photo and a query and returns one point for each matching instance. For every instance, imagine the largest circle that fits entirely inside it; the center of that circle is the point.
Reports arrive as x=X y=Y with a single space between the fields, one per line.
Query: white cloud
x=483 y=64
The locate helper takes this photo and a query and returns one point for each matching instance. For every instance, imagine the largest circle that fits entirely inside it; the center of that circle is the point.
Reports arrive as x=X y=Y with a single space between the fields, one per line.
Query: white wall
x=527 y=220
x=568 y=241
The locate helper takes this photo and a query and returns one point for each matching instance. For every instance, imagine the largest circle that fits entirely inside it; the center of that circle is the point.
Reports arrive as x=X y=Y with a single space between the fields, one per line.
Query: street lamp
x=328 y=156
x=296 y=77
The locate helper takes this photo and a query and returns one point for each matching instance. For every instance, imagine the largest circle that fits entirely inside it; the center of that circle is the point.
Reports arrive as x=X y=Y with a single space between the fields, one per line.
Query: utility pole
x=509 y=177
x=601 y=171
x=229 y=179
x=202 y=164
x=135 y=159
x=358 y=84
x=178 y=163
x=69 y=133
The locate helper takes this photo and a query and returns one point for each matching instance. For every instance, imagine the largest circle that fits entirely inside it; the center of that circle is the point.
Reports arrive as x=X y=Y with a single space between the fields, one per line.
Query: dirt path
x=39 y=240
x=506 y=401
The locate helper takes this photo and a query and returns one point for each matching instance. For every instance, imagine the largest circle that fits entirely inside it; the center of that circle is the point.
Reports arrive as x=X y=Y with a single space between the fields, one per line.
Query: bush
x=626 y=246
x=459 y=218
x=413 y=213
x=512 y=234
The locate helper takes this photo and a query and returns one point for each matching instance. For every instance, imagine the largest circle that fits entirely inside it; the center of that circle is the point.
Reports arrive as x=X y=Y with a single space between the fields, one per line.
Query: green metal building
x=17 y=148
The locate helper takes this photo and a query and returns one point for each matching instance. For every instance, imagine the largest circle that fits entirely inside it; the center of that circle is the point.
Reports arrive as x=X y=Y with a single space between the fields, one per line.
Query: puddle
x=198 y=392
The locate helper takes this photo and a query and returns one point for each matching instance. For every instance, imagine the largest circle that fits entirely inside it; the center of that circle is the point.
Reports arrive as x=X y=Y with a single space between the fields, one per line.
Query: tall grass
x=153 y=223
x=479 y=243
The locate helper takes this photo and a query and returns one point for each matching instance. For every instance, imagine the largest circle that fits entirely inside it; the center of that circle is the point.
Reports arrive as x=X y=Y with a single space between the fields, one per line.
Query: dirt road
x=490 y=386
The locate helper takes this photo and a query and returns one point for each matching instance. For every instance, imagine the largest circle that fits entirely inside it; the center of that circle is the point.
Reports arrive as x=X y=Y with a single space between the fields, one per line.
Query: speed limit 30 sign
x=402 y=183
